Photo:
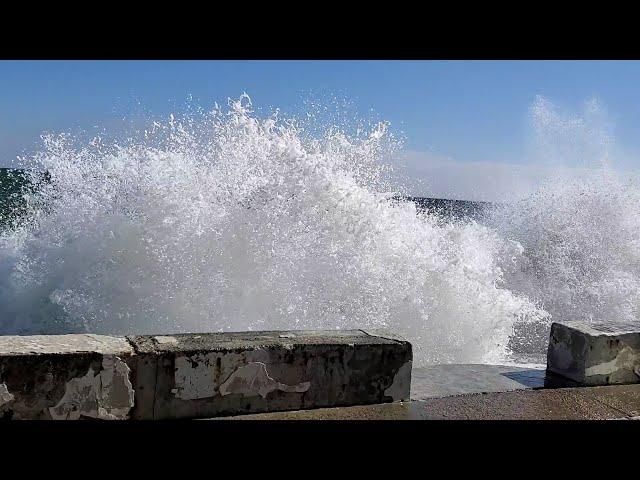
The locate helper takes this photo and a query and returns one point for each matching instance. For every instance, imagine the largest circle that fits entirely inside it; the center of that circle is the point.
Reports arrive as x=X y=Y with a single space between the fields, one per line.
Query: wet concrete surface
x=447 y=380
x=584 y=403
x=484 y=392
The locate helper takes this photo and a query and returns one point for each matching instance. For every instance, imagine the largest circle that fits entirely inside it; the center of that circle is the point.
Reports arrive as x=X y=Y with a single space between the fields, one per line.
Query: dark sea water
x=15 y=185
x=11 y=184
x=453 y=209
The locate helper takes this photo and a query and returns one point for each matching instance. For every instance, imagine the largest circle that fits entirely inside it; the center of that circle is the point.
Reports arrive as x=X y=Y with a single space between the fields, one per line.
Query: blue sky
x=471 y=112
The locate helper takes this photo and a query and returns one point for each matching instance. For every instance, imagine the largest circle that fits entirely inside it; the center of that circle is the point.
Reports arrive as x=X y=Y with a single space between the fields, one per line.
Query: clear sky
x=472 y=112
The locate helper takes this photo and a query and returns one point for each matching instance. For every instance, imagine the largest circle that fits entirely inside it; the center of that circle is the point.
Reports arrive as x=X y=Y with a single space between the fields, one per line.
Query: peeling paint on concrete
x=5 y=396
x=199 y=375
x=400 y=389
x=627 y=359
x=253 y=379
x=116 y=395
x=194 y=377
x=80 y=398
x=108 y=395
x=88 y=376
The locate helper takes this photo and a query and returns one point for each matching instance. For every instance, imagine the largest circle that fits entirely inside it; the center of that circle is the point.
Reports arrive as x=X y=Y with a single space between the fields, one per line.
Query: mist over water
x=222 y=221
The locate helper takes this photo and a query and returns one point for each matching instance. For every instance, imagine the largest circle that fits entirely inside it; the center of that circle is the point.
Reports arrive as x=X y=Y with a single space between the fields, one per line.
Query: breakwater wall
x=208 y=375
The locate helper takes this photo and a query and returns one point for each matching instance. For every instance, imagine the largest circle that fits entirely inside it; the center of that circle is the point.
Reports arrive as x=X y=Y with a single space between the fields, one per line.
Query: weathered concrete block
x=215 y=374
x=595 y=354
x=65 y=377
x=198 y=375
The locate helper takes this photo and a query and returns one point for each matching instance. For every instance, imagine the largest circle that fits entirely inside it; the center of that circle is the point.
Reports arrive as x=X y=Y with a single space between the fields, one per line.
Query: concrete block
x=217 y=374
x=595 y=354
x=198 y=375
x=65 y=377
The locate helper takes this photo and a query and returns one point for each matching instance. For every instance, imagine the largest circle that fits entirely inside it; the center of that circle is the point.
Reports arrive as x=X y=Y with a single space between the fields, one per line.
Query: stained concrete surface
x=198 y=375
x=212 y=374
x=45 y=377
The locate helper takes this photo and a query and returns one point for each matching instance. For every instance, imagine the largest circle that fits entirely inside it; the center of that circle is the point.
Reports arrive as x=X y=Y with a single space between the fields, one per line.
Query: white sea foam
x=228 y=221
